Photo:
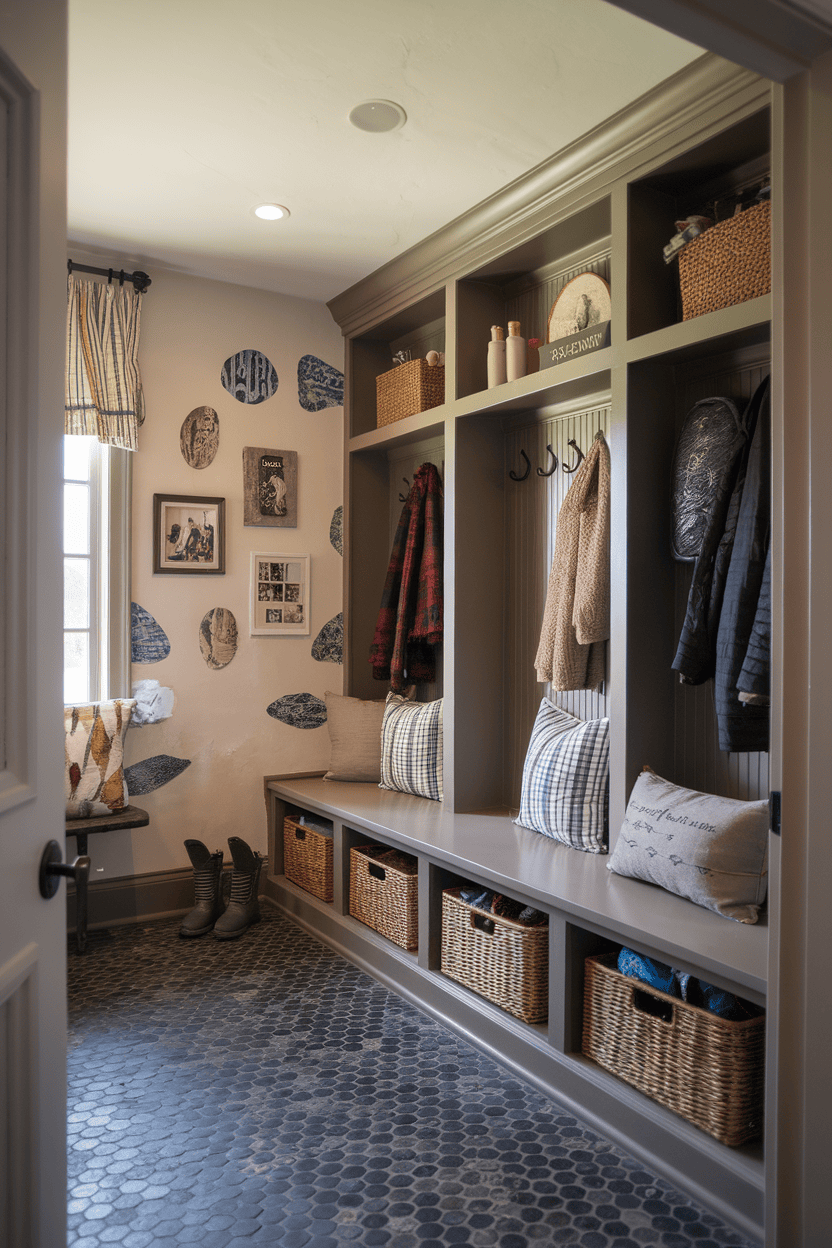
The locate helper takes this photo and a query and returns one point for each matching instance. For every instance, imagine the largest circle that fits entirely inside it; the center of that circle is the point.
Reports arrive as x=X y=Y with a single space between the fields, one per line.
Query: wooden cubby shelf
x=608 y=205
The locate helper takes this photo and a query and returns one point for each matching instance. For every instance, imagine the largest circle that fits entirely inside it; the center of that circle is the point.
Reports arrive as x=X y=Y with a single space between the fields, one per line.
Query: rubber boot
x=243 y=907
x=207 y=890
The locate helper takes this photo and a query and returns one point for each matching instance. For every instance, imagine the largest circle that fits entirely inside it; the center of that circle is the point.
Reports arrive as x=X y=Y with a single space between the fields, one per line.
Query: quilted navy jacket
x=727 y=628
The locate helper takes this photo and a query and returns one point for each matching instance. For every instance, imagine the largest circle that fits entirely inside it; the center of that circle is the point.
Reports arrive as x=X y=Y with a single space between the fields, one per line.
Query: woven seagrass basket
x=707 y=1069
x=384 y=895
x=728 y=264
x=307 y=856
x=502 y=960
x=407 y=389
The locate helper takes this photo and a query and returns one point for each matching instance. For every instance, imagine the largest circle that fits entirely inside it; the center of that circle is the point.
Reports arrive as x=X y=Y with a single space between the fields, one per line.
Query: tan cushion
x=94 y=772
x=712 y=850
x=355 y=736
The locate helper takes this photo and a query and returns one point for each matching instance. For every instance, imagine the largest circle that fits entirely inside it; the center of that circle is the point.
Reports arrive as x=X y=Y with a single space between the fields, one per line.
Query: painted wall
x=190 y=326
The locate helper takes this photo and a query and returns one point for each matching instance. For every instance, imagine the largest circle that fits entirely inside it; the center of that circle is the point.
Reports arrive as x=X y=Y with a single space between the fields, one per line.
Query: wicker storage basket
x=728 y=264
x=407 y=389
x=307 y=856
x=502 y=960
x=703 y=1067
x=383 y=894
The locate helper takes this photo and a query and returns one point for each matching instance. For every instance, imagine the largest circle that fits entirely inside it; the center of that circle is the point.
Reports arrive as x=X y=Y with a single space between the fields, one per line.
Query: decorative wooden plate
x=583 y=302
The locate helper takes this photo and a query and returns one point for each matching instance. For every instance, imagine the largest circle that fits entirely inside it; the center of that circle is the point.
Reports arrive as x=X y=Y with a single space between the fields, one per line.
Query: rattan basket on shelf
x=307 y=856
x=502 y=960
x=408 y=389
x=384 y=893
x=705 y=1068
x=730 y=263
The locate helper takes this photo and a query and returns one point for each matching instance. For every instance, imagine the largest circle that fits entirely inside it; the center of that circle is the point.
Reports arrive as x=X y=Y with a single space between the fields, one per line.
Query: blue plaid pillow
x=565 y=790
x=411 y=747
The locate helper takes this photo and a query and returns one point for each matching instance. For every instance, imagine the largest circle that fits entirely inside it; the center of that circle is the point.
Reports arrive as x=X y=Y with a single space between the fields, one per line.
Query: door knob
x=52 y=867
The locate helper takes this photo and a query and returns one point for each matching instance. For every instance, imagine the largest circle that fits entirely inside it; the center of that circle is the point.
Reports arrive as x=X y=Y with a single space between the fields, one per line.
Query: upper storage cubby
x=522 y=284
x=416 y=329
x=705 y=180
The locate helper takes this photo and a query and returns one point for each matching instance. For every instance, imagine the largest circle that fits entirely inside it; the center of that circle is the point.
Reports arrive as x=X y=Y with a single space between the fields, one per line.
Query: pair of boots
x=210 y=912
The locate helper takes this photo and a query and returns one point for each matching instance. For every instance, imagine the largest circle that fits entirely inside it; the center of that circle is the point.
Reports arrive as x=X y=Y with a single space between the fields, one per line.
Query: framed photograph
x=270 y=488
x=279 y=595
x=188 y=534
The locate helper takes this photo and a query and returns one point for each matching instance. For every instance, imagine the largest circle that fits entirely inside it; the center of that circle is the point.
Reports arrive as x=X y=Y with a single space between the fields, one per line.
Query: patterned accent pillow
x=711 y=850
x=94 y=774
x=411 y=747
x=565 y=790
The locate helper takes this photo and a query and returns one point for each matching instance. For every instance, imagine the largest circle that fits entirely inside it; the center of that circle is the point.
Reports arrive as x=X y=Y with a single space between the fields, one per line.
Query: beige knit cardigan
x=576 y=619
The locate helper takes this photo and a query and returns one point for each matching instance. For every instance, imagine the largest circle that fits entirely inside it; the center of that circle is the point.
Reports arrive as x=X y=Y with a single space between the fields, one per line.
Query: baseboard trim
x=135 y=898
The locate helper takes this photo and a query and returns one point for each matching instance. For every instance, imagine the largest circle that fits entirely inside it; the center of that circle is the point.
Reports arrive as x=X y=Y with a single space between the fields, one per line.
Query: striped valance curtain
x=103 y=383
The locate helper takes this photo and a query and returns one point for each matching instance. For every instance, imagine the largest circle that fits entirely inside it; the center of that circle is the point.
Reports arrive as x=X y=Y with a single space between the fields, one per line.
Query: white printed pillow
x=712 y=850
x=411 y=747
x=94 y=772
x=565 y=791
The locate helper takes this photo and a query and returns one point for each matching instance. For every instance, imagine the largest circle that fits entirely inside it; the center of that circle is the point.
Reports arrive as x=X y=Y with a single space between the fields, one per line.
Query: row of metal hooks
x=553 y=463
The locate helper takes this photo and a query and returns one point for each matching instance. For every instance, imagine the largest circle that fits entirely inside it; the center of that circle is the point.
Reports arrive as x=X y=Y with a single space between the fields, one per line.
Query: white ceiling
x=185 y=114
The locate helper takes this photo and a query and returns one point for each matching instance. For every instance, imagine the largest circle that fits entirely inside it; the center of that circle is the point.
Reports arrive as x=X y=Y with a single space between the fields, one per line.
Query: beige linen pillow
x=712 y=850
x=355 y=736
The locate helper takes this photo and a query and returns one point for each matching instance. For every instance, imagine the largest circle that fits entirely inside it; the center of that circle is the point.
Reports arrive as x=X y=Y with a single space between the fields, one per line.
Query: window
x=96 y=571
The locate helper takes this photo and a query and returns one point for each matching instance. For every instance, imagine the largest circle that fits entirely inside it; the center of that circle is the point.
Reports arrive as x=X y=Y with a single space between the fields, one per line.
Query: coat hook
x=580 y=454
x=514 y=475
x=554 y=461
x=402 y=497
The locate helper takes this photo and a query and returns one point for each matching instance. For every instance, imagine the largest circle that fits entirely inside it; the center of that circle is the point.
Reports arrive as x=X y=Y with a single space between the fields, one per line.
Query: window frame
x=110 y=487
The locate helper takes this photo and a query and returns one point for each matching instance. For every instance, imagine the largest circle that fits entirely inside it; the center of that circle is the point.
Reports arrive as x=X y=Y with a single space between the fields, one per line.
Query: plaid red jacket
x=409 y=622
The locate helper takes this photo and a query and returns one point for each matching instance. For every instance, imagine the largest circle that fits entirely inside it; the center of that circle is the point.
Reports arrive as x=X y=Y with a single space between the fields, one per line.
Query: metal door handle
x=52 y=867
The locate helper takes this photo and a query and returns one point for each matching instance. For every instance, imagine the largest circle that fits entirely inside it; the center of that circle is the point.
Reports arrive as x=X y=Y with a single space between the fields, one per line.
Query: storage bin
x=383 y=892
x=707 y=1069
x=407 y=389
x=307 y=855
x=502 y=960
x=728 y=264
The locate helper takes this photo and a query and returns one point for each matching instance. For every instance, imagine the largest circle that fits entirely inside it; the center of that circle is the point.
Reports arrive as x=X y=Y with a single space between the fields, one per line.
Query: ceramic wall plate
x=583 y=302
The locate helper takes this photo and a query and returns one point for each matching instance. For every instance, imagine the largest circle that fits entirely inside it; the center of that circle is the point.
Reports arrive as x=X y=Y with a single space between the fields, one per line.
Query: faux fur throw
x=576 y=620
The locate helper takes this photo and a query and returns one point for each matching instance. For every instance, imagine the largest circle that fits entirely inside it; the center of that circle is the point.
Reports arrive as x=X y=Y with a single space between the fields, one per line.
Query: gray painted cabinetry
x=607 y=203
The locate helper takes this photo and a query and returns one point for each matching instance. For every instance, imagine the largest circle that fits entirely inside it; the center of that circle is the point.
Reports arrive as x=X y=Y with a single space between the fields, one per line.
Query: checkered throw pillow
x=566 y=779
x=411 y=747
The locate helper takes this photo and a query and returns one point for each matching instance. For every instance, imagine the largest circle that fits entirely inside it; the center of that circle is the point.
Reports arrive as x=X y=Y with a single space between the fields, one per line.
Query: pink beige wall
x=190 y=326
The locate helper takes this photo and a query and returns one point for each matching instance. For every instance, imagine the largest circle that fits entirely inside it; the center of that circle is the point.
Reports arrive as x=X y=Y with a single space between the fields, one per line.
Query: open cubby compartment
x=503 y=545
x=523 y=284
x=418 y=328
x=669 y=726
x=379 y=478
x=280 y=808
x=726 y=164
x=580 y=941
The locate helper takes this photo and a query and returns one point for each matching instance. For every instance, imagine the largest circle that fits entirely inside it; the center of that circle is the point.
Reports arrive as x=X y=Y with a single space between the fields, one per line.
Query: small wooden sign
x=592 y=339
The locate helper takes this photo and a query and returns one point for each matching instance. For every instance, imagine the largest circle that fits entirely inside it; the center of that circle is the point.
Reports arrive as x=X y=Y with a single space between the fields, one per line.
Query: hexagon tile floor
x=265 y=1091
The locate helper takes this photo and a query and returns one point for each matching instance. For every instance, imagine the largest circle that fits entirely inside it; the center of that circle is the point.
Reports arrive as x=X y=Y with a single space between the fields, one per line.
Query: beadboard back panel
x=531 y=513
x=699 y=762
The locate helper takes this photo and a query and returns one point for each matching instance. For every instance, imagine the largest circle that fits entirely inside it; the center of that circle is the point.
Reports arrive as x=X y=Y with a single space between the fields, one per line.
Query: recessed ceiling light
x=271 y=212
x=377 y=116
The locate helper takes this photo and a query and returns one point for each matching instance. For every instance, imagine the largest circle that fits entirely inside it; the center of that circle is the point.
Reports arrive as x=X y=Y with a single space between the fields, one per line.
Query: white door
x=32 y=930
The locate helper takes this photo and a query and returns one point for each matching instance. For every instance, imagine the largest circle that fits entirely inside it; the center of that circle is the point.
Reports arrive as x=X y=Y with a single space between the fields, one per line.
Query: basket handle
x=377 y=872
x=655 y=1007
x=300 y=834
x=482 y=924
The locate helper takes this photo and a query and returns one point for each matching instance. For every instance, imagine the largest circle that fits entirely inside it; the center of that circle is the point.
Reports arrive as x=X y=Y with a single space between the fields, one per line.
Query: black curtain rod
x=140 y=280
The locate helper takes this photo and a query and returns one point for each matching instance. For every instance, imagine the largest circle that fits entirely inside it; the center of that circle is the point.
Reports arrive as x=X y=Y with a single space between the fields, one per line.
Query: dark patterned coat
x=409 y=622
